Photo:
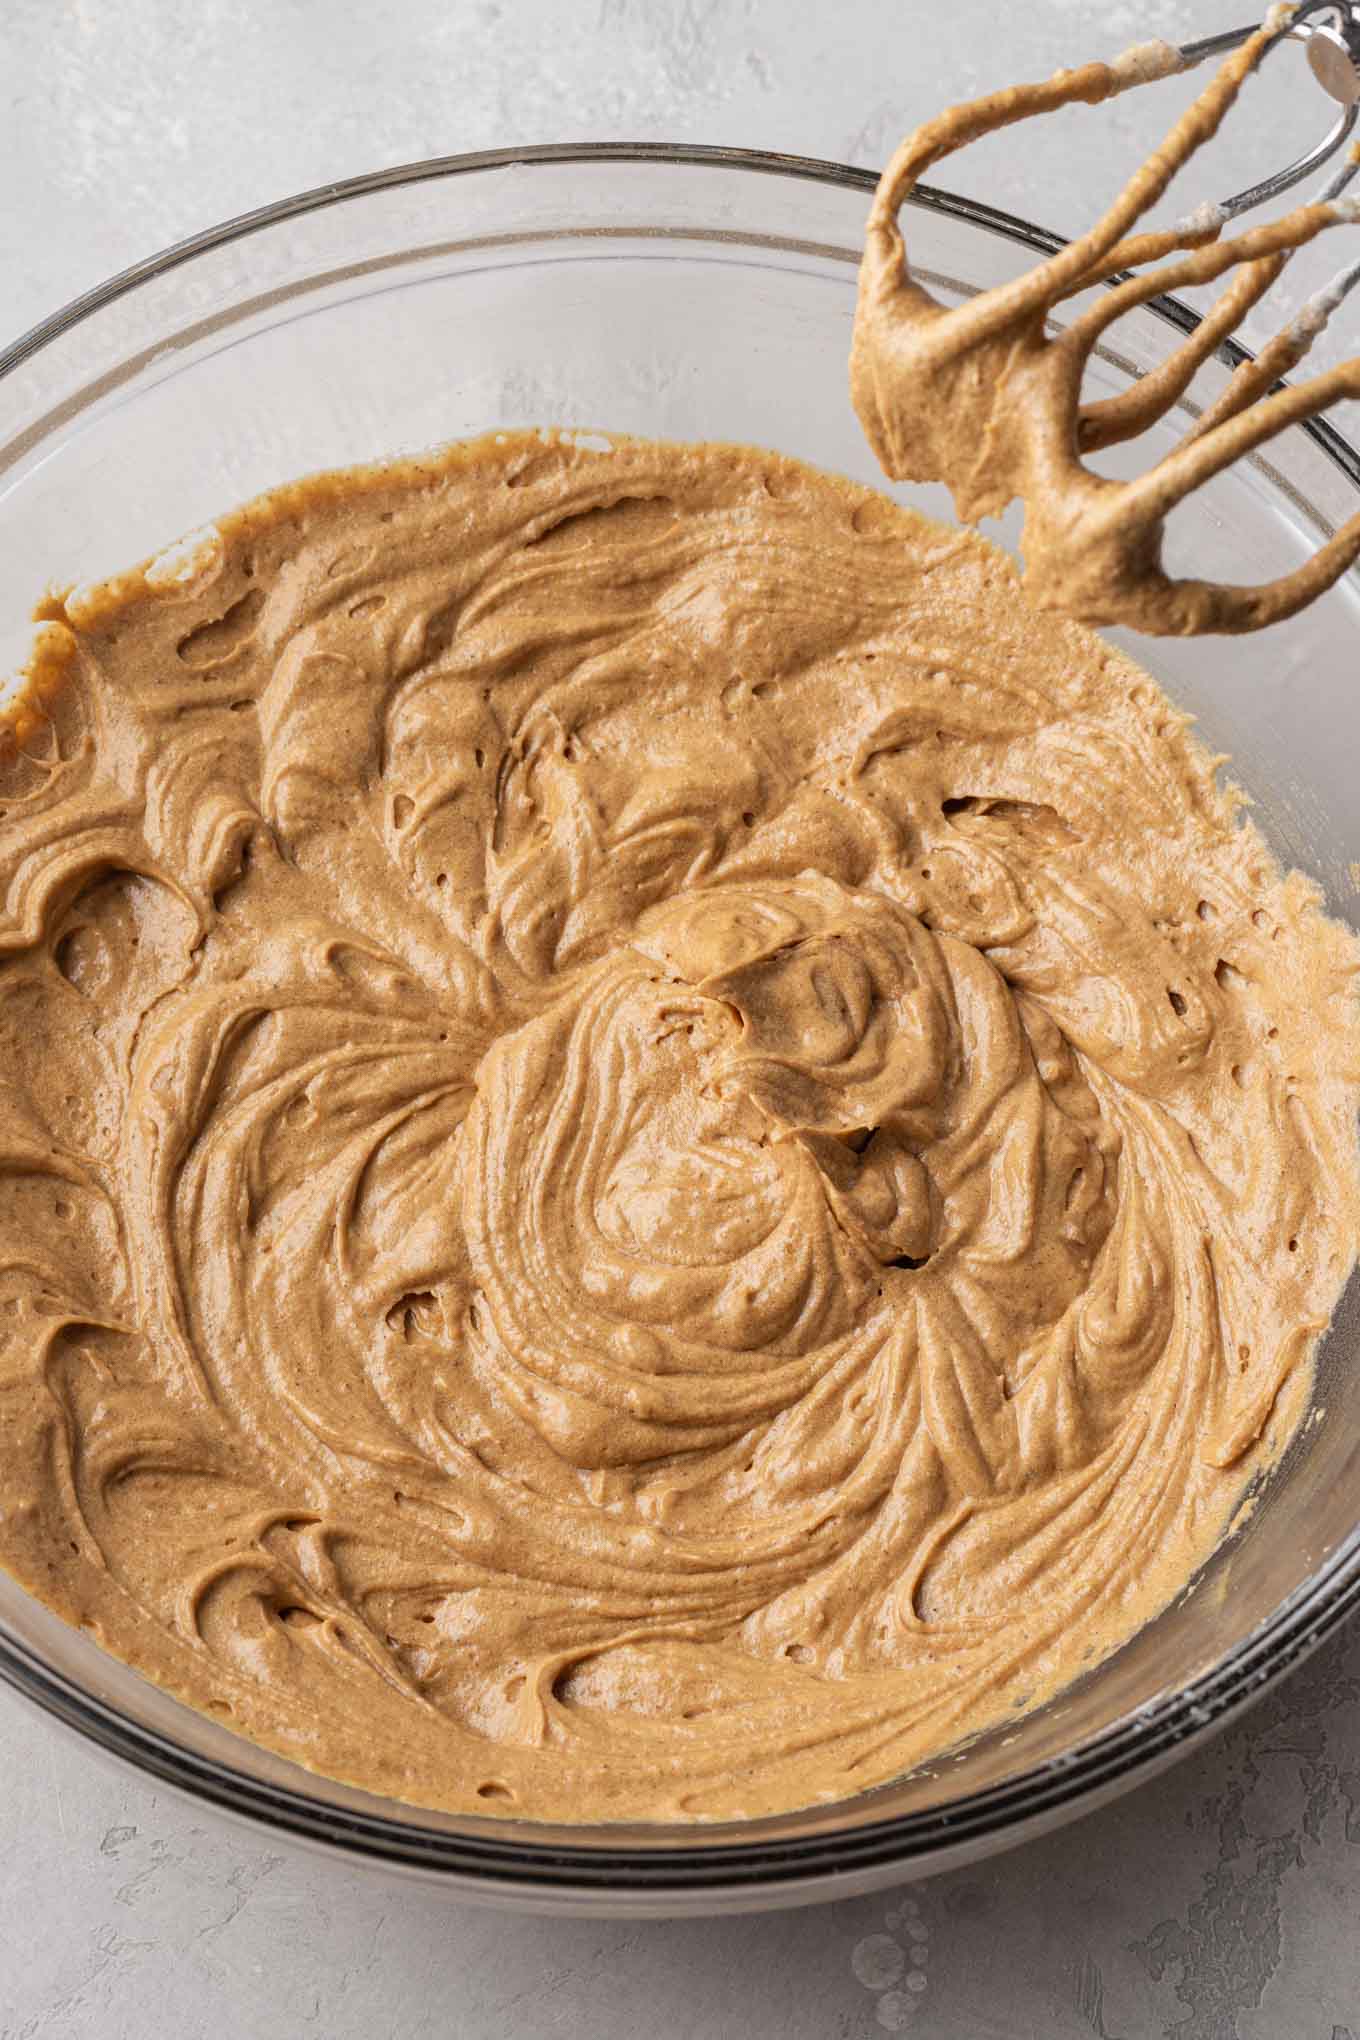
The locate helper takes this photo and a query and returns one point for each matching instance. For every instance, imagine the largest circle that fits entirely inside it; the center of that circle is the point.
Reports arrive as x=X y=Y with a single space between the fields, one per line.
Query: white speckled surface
x=1217 y=1904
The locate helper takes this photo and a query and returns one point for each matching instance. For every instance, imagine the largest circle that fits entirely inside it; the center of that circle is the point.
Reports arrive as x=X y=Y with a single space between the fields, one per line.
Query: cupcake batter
x=658 y=1151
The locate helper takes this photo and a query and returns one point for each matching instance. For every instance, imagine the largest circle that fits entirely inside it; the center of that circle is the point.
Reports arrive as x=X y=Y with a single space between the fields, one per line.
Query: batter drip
x=657 y=1150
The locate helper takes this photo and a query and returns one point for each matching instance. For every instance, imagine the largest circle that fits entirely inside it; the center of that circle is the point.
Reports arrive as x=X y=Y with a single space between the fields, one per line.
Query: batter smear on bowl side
x=658 y=1150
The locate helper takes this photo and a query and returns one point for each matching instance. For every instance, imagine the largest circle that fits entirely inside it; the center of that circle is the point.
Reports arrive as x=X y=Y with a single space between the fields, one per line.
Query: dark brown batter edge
x=658 y=1152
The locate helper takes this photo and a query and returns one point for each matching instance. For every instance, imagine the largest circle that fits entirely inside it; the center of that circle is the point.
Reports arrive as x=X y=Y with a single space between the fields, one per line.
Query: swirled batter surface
x=657 y=1150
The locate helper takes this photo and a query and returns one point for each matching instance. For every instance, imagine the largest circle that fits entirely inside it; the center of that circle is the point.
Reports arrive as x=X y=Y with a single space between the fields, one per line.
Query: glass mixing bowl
x=696 y=294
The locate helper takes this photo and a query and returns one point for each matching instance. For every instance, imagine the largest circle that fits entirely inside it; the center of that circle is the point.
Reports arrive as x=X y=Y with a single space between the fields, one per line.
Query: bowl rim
x=500 y=1859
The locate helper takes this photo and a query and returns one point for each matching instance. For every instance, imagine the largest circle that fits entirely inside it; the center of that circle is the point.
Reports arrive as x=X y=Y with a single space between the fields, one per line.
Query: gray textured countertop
x=1220 y=1901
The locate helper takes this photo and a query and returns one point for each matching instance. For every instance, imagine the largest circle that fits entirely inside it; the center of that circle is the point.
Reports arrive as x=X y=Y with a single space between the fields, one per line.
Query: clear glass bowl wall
x=693 y=294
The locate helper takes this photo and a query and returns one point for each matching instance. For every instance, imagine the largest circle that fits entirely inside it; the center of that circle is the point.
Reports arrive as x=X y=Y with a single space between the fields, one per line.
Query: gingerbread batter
x=659 y=1152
